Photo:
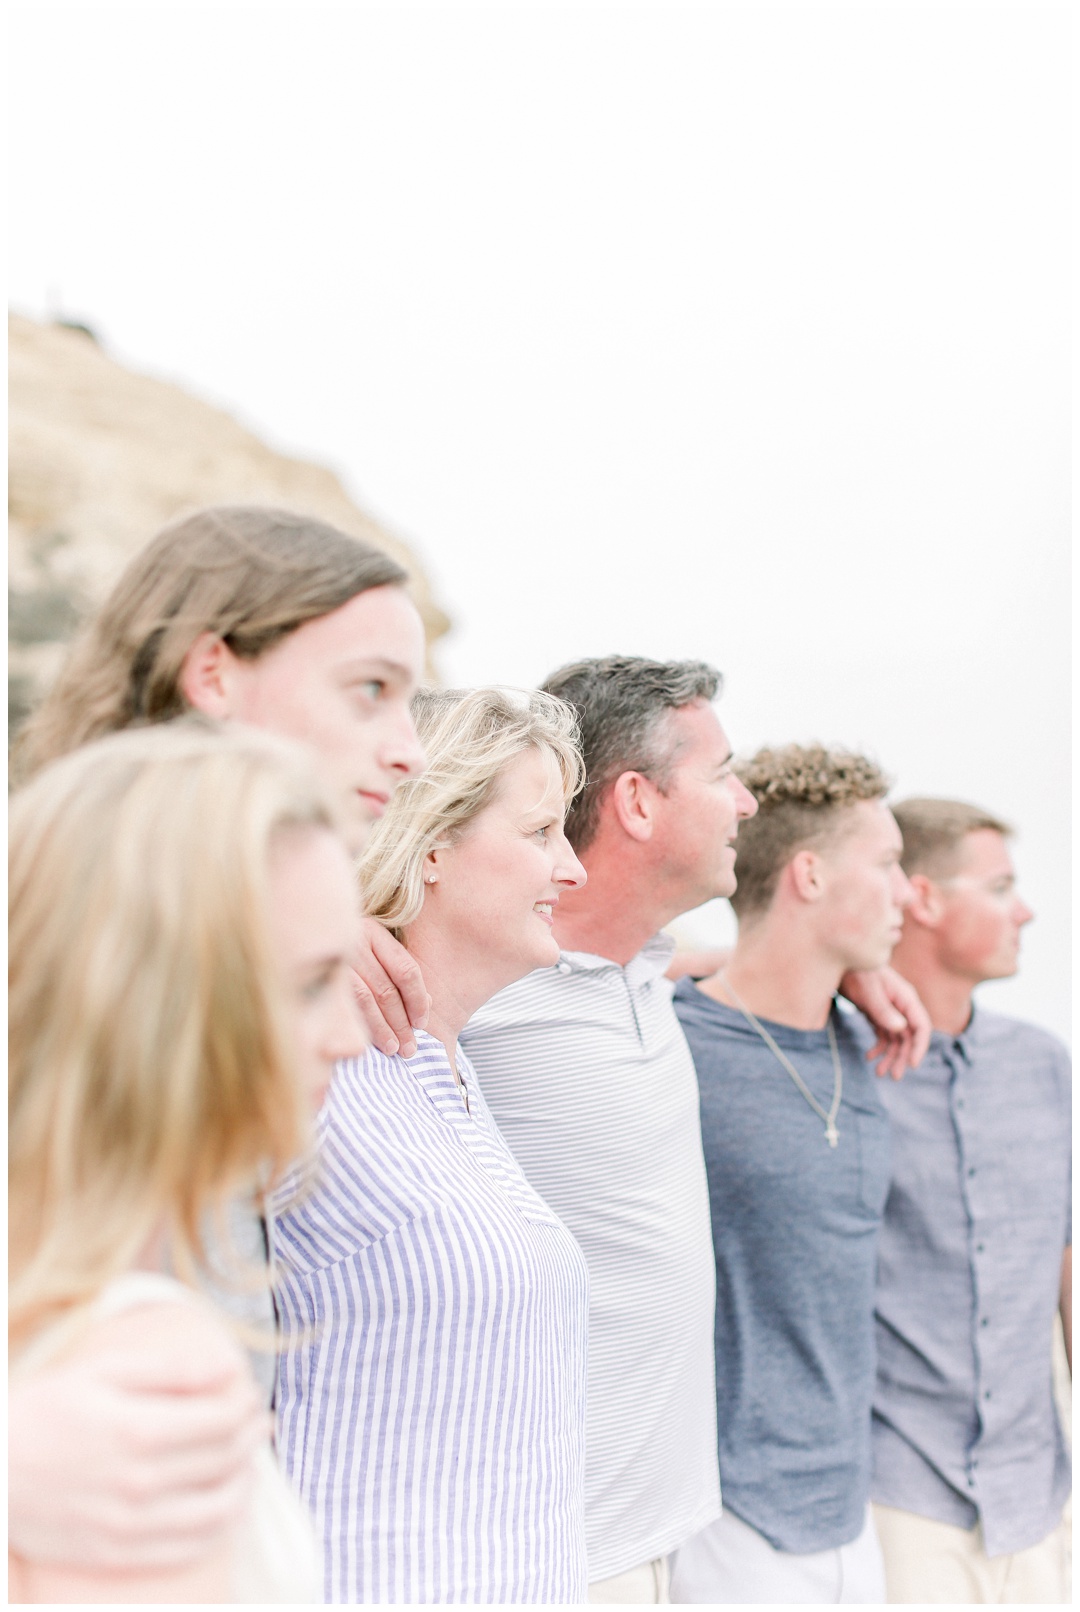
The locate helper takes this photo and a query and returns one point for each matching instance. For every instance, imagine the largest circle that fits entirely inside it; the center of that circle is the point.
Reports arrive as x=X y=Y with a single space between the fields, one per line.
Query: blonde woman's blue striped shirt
x=431 y=1397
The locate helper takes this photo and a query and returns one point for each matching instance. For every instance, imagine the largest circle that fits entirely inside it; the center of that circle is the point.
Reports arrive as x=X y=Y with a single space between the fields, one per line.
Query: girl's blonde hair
x=151 y=1076
x=249 y=574
x=470 y=737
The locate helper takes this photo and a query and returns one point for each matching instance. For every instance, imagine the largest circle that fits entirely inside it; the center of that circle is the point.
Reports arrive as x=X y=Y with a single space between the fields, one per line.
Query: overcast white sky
x=729 y=331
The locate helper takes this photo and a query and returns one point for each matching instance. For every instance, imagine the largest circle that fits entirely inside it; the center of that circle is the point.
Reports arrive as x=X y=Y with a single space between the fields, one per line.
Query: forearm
x=208 y=1580
x=1066 y=1305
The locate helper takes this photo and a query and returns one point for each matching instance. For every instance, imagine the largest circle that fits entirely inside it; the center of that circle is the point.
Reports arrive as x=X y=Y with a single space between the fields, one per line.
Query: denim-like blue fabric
x=795 y=1226
x=976 y=1223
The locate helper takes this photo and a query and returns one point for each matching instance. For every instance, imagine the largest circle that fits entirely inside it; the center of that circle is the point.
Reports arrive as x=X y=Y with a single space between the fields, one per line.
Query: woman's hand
x=893 y=1008
x=390 y=991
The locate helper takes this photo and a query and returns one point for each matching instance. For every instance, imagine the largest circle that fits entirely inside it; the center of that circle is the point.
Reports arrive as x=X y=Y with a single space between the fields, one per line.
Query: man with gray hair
x=591 y=1083
x=589 y=1077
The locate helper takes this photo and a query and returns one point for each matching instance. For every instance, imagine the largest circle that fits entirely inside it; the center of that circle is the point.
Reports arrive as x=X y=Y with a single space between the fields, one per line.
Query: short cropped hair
x=470 y=737
x=934 y=832
x=248 y=574
x=802 y=792
x=622 y=702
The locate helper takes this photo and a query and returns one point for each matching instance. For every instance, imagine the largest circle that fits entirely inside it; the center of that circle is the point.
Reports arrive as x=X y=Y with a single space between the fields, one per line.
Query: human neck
x=456 y=989
x=945 y=997
x=154 y=1253
x=611 y=916
x=778 y=975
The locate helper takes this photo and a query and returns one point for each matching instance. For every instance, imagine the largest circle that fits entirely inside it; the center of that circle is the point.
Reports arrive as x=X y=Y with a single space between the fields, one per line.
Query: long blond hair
x=470 y=737
x=151 y=1076
x=249 y=574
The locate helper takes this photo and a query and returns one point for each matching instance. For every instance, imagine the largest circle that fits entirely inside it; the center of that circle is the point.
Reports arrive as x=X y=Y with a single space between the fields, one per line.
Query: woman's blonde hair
x=150 y=1076
x=470 y=737
x=251 y=575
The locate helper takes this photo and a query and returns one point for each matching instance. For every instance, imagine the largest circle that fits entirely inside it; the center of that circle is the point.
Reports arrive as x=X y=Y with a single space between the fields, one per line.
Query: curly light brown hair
x=803 y=794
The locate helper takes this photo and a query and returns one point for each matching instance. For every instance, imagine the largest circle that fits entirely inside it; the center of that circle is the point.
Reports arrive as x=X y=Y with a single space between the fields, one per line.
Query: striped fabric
x=431 y=1396
x=591 y=1082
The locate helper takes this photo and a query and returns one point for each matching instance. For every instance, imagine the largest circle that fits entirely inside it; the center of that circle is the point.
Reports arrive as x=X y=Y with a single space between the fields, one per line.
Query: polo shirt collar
x=650 y=962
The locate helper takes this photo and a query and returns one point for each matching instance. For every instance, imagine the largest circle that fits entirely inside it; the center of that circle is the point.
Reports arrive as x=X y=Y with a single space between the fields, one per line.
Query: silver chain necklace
x=832 y=1135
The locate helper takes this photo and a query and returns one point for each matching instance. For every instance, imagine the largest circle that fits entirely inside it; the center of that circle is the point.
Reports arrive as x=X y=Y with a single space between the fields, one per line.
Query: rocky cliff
x=100 y=458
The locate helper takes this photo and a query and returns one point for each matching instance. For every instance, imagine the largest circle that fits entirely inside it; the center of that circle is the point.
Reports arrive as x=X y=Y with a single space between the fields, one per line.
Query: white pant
x=731 y=1562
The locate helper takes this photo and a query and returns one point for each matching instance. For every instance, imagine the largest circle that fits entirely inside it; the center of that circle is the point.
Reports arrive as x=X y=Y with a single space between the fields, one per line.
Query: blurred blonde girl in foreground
x=181 y=912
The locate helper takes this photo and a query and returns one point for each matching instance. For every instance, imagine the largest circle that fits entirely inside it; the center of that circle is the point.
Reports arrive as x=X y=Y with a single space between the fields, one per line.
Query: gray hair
x=470 y=736
x=622 y=702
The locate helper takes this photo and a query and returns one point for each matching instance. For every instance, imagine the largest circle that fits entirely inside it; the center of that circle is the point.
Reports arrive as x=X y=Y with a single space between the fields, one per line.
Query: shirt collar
x=962 y=1045
x=650 y=962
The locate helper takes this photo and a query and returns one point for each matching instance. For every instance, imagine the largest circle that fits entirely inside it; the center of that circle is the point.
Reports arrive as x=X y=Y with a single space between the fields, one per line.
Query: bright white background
x=729 y=331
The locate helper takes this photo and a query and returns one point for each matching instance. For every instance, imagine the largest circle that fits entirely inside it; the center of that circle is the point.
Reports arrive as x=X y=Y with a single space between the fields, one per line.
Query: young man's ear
x=927 y=901
x=632 y=797
x=207 y=679
x=806 y=874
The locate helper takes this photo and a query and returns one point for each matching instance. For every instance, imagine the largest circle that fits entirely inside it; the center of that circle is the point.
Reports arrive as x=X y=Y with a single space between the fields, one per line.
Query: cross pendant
x=832 y=1135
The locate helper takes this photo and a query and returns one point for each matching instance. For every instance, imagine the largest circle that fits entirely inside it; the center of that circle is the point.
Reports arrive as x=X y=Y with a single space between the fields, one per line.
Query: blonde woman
x=431 y=1405
x=180 y=922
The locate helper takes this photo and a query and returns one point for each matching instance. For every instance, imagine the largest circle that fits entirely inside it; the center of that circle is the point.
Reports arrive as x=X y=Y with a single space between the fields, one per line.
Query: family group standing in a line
x=348 y=1079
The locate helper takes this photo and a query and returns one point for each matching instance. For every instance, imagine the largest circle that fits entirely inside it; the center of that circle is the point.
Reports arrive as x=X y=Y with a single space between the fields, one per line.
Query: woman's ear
x=207 y=677
x=431 y=871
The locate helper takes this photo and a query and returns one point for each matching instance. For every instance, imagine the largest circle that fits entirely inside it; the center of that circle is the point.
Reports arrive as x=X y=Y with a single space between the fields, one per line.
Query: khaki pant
x=931 y=1563
x=645 y=1585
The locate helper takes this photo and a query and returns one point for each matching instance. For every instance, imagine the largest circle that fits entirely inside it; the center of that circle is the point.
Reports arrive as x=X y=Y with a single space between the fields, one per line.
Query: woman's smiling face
x=496 y=887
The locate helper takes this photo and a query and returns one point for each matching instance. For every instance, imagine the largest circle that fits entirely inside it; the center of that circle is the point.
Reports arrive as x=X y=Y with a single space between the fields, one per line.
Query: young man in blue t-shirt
x=796 y=1149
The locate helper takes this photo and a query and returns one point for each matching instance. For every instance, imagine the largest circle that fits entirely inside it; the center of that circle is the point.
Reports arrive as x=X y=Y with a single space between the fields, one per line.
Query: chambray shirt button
x=971 y=1169
x=985 y=1322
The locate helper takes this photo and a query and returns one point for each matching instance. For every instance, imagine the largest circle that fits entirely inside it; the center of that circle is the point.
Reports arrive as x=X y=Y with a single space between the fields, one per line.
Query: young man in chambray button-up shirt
x=970 y=1467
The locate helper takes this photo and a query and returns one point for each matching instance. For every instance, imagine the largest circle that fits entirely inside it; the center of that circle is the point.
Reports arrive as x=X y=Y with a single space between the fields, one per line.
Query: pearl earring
x=430 y=878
